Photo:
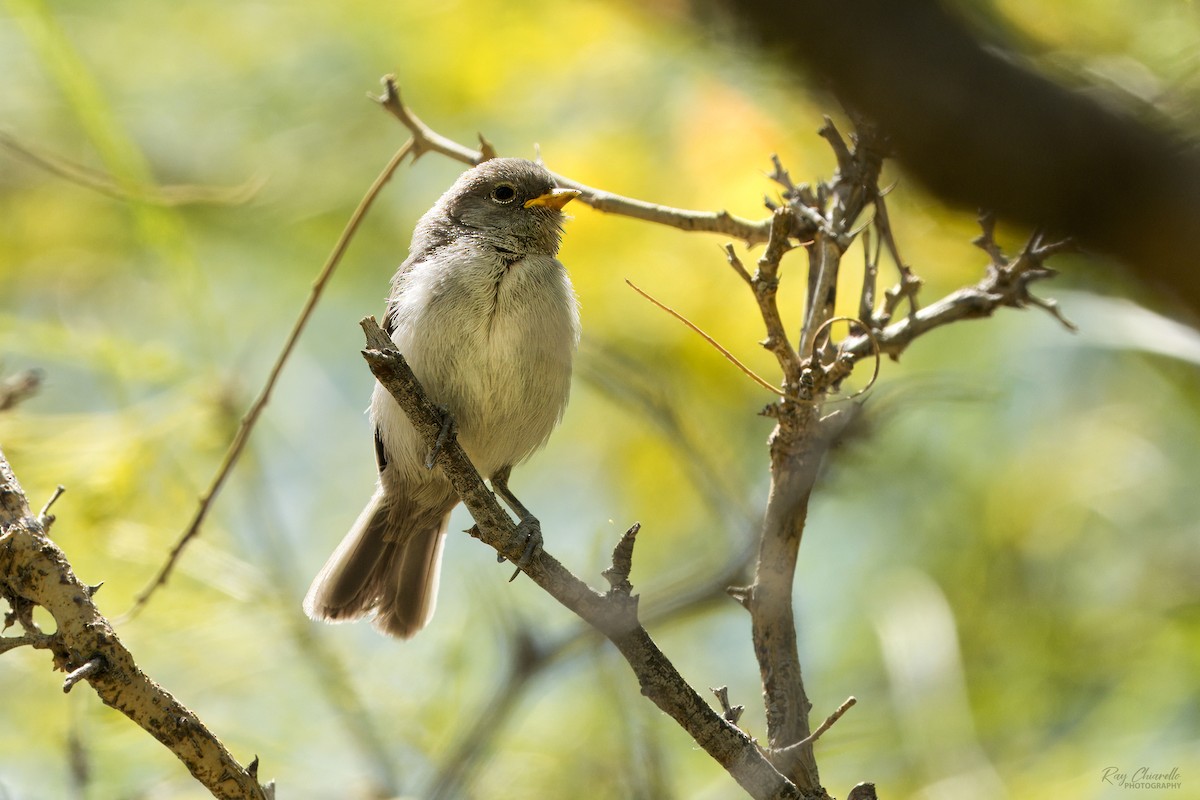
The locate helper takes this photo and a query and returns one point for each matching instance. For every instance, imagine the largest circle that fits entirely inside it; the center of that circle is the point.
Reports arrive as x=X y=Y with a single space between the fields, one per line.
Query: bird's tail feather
x=386 y=566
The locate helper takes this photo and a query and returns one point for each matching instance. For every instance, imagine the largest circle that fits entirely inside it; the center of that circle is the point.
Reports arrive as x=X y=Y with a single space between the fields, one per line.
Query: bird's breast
x=494 y=347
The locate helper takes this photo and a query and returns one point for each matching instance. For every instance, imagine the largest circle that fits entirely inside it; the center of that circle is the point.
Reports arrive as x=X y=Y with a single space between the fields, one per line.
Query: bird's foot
x=444 y=435
x=530 y=530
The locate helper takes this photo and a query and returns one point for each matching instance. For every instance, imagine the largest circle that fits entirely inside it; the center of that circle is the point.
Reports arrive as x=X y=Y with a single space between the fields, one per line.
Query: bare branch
x=613 y=614
x=38 y=641
x=1007 y=285
x=34 y=571
x=731 y=713
x=90 y=667
x=622 y=562
x=824 y=726
x=766 y=286
x=425 y=139
x=736 y=263
x=242 y=437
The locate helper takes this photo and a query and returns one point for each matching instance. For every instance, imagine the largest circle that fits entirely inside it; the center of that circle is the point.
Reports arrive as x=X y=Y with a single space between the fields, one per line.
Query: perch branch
x=613 y=614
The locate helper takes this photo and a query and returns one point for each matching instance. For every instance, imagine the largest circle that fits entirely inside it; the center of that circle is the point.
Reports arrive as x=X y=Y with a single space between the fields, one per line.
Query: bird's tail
x=386 y=566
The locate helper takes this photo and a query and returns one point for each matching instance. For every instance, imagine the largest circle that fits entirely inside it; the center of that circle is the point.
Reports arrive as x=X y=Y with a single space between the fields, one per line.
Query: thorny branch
x=35 y=572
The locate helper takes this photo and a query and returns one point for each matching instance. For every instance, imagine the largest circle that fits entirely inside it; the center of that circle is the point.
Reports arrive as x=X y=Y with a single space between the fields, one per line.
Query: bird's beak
x=555 y=199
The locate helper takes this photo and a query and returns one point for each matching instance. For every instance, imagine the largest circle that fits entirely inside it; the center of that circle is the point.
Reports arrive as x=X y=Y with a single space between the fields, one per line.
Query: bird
x=487 y=318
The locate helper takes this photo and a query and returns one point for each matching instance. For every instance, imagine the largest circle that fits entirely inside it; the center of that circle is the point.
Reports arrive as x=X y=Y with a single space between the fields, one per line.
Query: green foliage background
x=1003 y=570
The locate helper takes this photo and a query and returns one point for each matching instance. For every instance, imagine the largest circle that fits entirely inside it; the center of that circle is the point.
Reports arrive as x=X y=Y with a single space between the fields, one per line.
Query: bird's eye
x=504 y=193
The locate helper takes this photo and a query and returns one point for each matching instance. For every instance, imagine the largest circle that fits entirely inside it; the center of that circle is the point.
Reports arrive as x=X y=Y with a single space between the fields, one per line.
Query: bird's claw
x=444 y=435
x=531 y=531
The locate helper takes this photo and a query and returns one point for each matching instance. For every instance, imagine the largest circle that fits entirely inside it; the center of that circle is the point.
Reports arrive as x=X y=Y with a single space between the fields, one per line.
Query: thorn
x=741 y=594
x=92 y=588
x=252 y=768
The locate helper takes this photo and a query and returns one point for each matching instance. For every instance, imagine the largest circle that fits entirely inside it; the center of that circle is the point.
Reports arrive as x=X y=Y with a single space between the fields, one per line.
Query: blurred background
x=1003 y=569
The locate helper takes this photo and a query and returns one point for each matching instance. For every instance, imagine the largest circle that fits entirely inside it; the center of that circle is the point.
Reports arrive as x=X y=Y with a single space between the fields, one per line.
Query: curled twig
x=844 y=356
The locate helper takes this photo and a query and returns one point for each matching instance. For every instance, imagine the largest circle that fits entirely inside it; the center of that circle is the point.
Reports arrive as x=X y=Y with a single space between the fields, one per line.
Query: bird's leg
x=443 y=436
x=528 y=527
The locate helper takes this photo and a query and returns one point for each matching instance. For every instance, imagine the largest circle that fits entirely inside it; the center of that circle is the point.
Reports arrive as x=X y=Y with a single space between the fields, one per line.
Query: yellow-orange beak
x=555 y=198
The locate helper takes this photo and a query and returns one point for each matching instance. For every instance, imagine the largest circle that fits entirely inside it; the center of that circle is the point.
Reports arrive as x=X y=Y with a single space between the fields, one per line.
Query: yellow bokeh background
x=1002 y=568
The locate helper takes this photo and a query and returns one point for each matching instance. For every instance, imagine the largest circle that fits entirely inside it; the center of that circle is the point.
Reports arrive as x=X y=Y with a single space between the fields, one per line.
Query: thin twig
x=731 y=713
x=44 y=516
x=617 y=575
x=737 y=265
x=38 y=641
x=18 y=387
x=247 y=424
x=732 y=358
x=766 y=287
x=823 y=294
x=824 y=726
x=91 y=667
x=428 y=140
x=104 y=183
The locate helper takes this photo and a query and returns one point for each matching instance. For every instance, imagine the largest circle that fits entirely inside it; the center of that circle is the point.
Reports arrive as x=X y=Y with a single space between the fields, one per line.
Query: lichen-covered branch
x=35 y=572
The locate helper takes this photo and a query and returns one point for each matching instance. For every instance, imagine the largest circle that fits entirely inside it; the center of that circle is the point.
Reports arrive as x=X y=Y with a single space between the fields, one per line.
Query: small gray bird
x=486 y=317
